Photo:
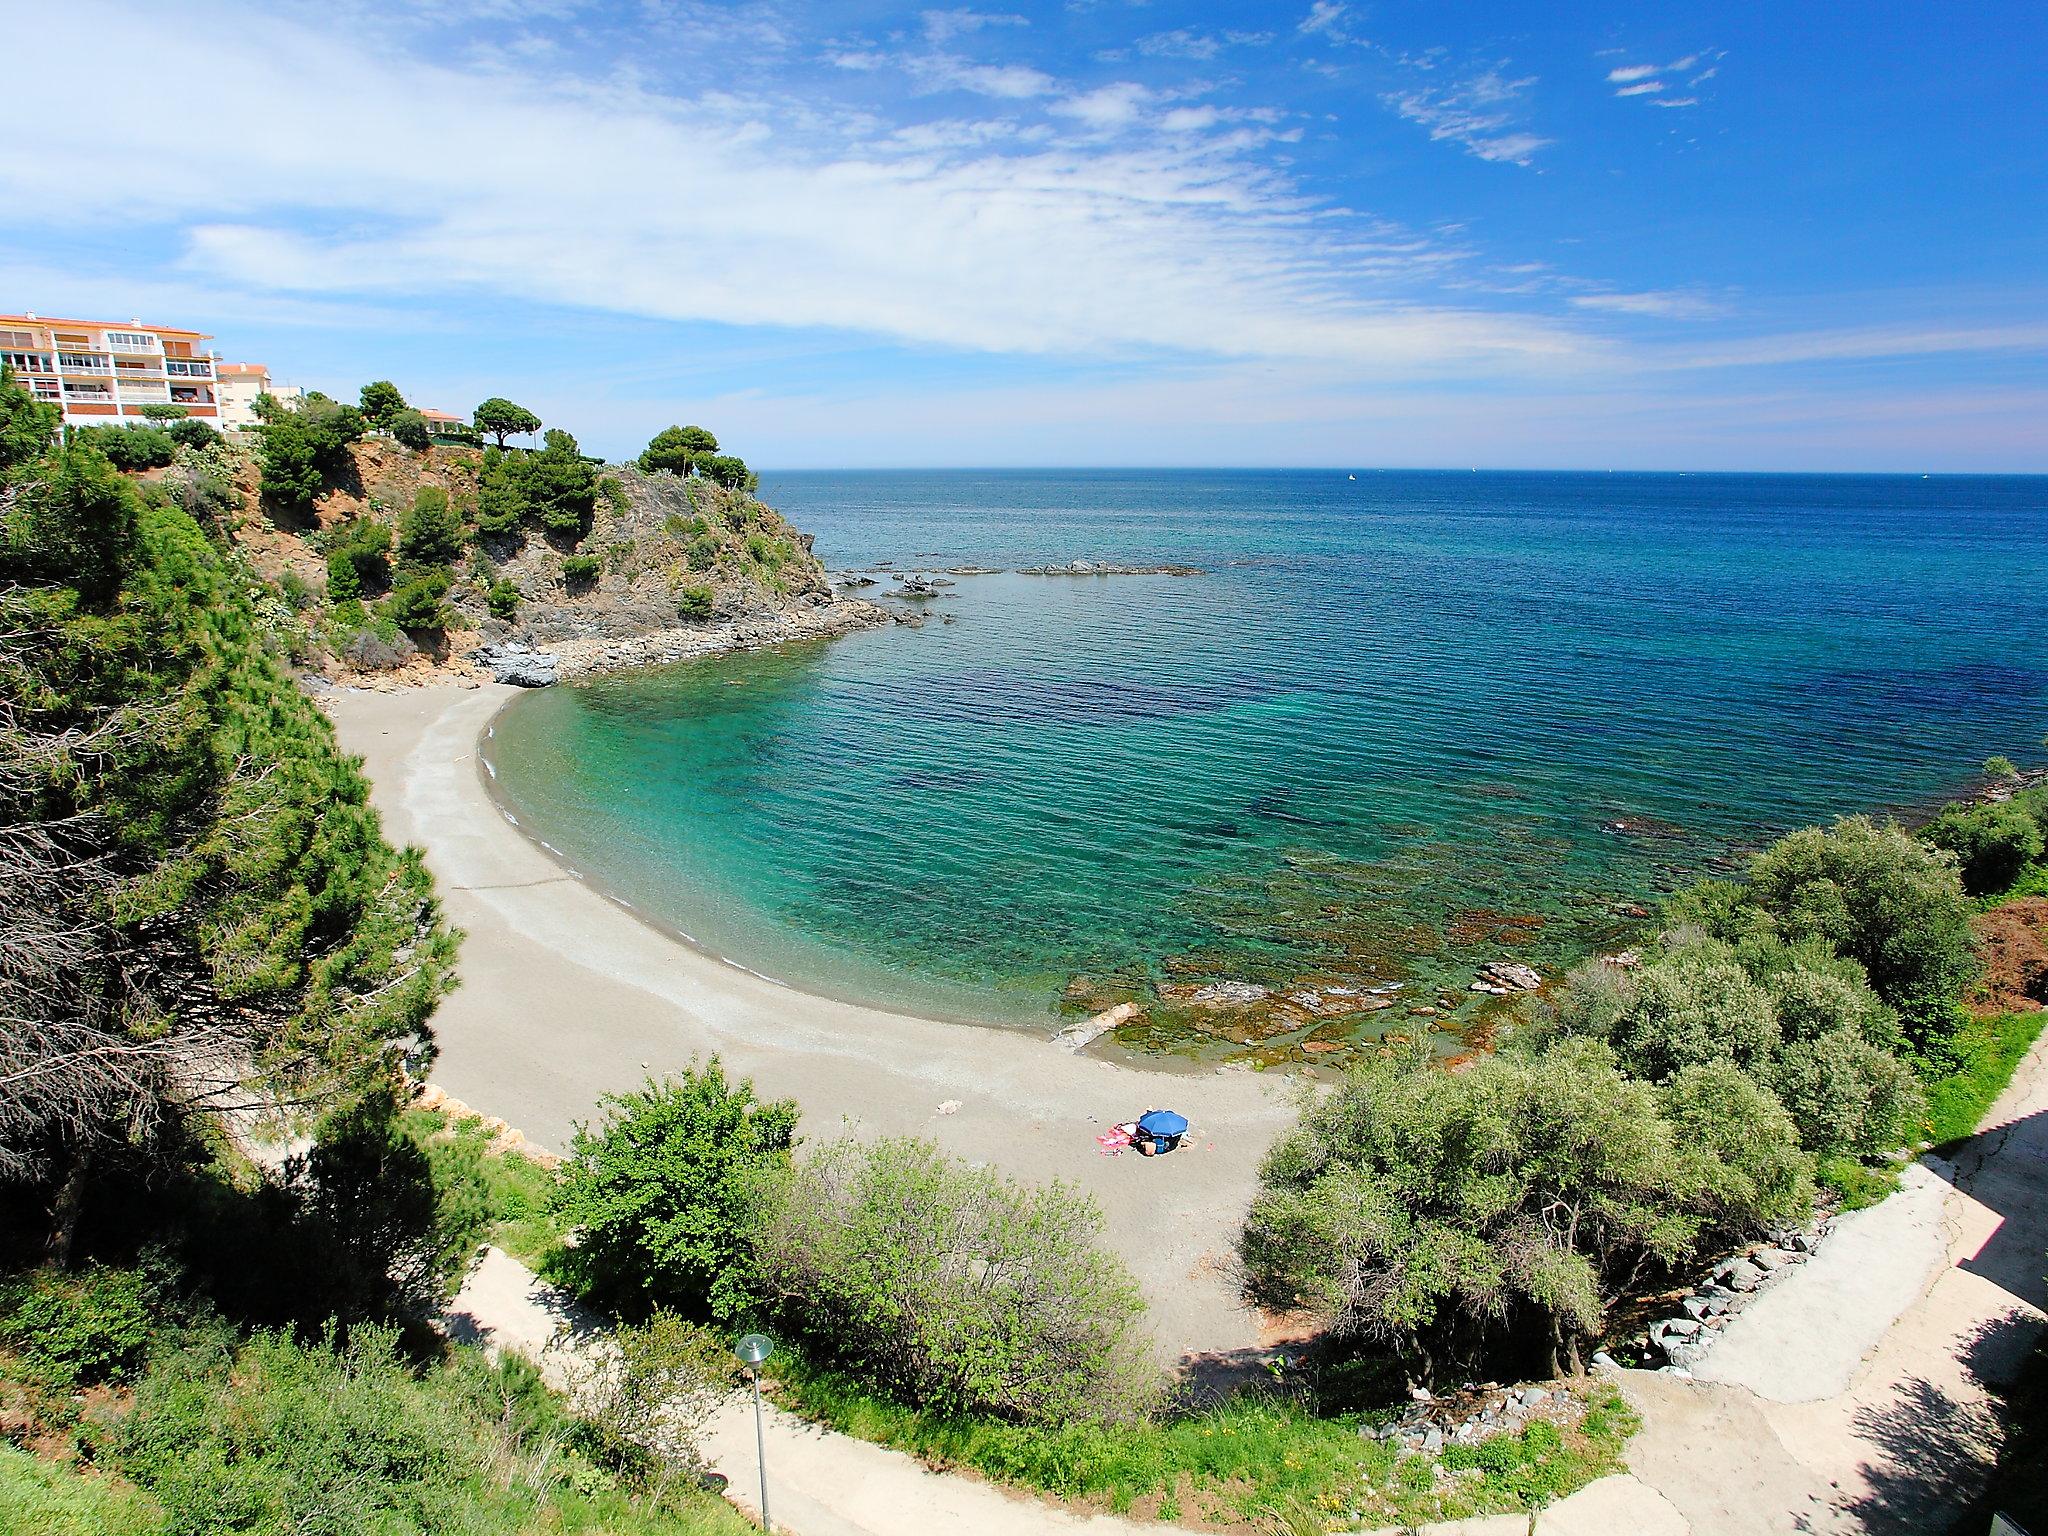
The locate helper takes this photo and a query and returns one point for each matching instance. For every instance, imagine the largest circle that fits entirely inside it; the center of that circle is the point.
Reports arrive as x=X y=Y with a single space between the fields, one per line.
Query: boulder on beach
x=520 y=665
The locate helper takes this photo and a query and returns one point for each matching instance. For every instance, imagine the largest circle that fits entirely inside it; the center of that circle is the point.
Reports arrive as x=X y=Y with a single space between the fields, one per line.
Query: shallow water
x=1404 y=724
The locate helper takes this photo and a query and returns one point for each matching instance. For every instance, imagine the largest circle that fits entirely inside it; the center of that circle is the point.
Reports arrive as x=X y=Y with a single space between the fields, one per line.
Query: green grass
x=1988 y=1050
x=44 y=1498
x=514 y=1189
x=1254 y=1462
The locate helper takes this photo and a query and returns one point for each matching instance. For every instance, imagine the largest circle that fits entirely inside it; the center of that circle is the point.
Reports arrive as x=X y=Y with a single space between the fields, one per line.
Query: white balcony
x=189 y=368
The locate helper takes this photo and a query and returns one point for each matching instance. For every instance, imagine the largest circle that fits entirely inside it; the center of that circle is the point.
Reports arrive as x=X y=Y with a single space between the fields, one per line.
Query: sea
x=1400 y=725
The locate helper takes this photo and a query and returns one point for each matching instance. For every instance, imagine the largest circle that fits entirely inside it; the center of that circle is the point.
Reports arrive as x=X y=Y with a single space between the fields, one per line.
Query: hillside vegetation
x=388 y=551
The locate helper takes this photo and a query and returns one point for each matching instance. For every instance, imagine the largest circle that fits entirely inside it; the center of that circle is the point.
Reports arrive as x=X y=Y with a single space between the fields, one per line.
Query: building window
x=131 y=339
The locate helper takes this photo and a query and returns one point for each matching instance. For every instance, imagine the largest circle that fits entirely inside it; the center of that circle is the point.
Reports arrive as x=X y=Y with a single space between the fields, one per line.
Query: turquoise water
x=1402 y=725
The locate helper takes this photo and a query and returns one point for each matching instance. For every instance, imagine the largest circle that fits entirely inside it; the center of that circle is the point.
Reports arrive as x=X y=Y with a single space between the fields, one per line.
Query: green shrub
x=79 y=1328
x=694 y=604
x=579 y=571
x=703 y=552
x=366 y=546
x=502 y=597
x=1885 y=900
x=380 y=1237
x=409 y=430
x=416 y=602
x=432 y=532
x=615 y=496
x=1991 y=843
x=301 y=450
x=132 y=448
x=191 y=432
x=1422 y=1209
x=298 y=592
x=952 y=1287
x=2000 y=766
x=662 y=1189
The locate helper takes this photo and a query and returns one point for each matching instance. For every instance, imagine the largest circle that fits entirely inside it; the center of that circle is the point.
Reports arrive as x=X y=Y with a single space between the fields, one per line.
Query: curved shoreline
x=566 y=995
x=487 y=775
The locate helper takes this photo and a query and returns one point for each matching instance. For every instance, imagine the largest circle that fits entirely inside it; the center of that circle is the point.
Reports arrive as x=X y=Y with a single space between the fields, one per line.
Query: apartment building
x=241 y=383
x=103 y=373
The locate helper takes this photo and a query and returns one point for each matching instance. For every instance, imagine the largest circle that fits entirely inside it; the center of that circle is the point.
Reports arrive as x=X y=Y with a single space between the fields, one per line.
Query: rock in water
x=1079 y=1035
x=1510 y=974
x=520 y=665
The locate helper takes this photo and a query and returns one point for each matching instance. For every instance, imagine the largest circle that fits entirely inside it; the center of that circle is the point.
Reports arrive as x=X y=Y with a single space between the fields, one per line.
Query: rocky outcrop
x=583 y=658
x=1500 y=978
x=1107 y=568
x=520 y=665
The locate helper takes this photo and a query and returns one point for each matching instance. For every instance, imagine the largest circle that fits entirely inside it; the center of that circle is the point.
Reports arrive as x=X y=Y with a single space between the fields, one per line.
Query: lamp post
x=752 y=1350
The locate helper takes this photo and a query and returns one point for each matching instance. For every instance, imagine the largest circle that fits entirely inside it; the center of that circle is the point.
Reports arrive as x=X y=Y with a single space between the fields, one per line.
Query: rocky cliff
x=668 y=567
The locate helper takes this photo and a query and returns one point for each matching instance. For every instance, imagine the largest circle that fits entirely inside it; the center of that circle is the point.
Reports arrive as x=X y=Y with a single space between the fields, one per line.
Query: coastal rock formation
x=520 y=665
x=1105 y=568
x=1079 y=1035
x=663 y=558
x=1503 y=977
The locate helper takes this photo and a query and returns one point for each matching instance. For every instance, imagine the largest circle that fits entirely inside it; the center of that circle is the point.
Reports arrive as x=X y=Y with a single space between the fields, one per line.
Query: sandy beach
x=566 y=995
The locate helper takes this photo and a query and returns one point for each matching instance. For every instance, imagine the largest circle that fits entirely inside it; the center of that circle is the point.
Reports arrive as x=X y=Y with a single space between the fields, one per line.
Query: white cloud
x=551 y=191
x=943 y=26
x=1006 y=82
x=1643 y=79
x=1109 y=106
x=1181 y=44
x=1326 y=18
x=1660 y=304
x=1478 y=113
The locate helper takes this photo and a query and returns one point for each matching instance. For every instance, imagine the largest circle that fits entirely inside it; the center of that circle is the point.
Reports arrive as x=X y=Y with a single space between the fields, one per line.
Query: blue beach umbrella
x=1163 y=1122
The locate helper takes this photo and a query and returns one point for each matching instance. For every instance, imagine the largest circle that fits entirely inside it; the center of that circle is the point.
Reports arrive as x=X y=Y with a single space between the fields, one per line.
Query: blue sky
x=1098 y=232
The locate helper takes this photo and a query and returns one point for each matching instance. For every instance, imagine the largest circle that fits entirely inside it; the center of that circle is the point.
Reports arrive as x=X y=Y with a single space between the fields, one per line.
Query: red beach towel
x=1112 y=1141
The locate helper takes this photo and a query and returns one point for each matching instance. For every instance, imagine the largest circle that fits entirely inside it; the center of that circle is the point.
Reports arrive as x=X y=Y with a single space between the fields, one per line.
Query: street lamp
x=752 y=1350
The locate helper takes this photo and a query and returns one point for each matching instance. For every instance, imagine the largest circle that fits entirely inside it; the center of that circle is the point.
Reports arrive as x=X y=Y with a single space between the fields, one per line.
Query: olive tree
x=1443 y=1214
x=953 y=1287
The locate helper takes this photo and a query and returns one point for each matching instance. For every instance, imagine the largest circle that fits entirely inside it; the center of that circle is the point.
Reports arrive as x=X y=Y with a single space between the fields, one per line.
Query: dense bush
x=555 y=488
x=358 y=559
x=694 y=604
x=431 y=532
x=409 y=430
x=727 y=471
x=191 y=432
x=303 y=449
x=272 y=1437
x=416 y=602
x=951 y=1286
x=1439 y=1213
x=1991 y=843
x=375 y=1236
x=1883 y=899
x=132 y=448
x=1799 y=1020
x=661 y=1190
x=580 y=571
x=502 y=598
x=80 y=1328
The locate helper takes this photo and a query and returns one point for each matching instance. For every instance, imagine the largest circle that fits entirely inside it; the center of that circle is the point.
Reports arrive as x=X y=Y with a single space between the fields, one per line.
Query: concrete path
x=821 y=1483
x=1804 y=1343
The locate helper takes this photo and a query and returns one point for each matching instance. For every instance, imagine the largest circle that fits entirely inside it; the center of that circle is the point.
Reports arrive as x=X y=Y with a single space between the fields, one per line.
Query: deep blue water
x=1401 y=724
